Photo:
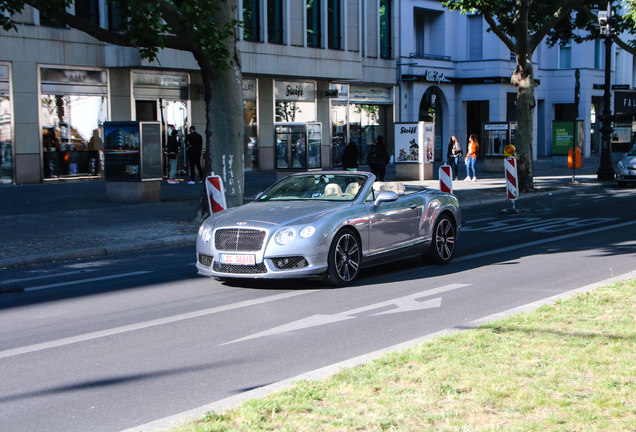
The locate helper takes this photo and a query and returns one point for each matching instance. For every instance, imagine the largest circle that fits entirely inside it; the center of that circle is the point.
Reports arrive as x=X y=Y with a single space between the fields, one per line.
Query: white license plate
x=237 y=259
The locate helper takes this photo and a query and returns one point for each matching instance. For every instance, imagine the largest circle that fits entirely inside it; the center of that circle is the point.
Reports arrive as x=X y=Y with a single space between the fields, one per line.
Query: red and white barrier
x=446 y=178
x=216 y=193
x=510 y=165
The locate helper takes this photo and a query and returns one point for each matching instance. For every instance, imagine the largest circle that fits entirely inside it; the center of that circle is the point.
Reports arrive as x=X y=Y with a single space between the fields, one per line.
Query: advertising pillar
x=132 y=161
x=414 y=150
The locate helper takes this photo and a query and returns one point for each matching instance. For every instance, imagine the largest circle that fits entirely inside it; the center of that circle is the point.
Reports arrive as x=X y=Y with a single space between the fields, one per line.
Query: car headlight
x=307 y=232
x=620 y=164
x=205 y=232
x=285 y=236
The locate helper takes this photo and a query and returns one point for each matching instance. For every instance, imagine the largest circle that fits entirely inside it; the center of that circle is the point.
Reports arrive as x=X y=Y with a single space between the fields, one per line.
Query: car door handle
x=412 y=206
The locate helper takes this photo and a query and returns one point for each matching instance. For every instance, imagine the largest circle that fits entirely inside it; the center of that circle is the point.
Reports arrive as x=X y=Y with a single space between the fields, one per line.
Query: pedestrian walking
x=378 y=158
x=194 y=147
x=471 y=157
x=350 y=157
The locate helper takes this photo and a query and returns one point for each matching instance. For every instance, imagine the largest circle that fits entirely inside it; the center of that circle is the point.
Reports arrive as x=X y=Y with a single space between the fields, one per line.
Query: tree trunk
x=224 y=126
x=523 y=78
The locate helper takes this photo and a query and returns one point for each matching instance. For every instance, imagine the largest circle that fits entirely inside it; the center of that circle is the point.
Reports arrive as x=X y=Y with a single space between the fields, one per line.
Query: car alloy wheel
x=443 y=241
x=344 y=259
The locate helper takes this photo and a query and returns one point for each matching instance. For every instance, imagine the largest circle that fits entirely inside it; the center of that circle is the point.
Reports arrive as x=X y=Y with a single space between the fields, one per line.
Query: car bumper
x=625 y=175
x=269 y=268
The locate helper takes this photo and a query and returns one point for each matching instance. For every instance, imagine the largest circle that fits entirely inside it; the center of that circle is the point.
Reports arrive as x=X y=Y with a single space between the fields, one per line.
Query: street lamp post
x=605 y=171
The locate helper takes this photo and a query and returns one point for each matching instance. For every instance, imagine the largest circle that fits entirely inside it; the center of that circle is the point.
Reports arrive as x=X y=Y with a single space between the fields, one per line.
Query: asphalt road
x=107 y=344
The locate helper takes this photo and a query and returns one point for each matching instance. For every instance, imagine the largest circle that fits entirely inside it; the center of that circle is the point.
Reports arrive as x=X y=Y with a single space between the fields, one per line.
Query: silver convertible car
x=328 y=224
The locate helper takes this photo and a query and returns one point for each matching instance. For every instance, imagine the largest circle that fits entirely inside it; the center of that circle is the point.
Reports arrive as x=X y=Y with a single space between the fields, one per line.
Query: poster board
x=122 y=152
x=564 y=136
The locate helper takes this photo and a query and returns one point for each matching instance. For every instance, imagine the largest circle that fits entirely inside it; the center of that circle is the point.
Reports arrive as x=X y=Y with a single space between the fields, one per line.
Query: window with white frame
x=565 y=56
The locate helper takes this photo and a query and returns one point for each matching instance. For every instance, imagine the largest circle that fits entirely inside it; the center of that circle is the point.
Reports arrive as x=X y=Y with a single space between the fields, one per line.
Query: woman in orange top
x=471 y=157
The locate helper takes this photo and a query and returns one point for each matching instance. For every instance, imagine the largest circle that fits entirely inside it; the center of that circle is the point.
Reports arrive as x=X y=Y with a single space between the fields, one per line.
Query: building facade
x=317 y=74
x=452 y=72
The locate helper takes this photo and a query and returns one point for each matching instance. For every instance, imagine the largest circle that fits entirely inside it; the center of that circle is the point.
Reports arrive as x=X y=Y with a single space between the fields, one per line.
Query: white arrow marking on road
x=402 y=304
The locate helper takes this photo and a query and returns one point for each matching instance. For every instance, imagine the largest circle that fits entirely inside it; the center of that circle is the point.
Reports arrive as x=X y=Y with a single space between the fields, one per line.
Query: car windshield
x=632 y=152
x=329 y=187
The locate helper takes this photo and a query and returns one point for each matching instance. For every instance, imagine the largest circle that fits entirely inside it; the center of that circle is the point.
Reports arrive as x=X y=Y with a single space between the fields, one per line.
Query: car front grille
x=239 y=269
x=239 y=239
x=206 y=260
x=289 y=263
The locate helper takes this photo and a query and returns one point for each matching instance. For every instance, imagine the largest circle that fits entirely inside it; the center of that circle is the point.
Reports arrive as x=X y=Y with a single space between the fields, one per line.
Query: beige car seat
x=379 y=186
x=396 y=187
x=332 y=189
x=352 y=188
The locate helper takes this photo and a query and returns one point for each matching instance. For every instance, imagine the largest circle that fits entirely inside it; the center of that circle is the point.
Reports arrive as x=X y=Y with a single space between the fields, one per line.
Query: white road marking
x=47 y=276
x=146 y=324
x=82 y=281
x=402 y=304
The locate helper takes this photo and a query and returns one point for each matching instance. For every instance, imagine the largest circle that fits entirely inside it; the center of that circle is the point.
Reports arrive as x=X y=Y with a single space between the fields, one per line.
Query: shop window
x=252 y=20
x=6 y=133
x=250 y=124
x=385 y=29
x=314 y=24
x=298 y=146
x=338 y=132
x=71 y=135
x=334 y=18
x=364 y=127
x=275 y=21
x=475 y=37
x=88 y=9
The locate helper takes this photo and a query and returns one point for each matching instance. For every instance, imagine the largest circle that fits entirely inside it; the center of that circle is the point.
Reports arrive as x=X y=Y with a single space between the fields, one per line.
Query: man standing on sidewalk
x=194 y=146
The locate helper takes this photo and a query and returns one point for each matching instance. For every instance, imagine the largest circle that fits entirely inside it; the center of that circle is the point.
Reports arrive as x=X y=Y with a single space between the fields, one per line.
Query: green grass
x=569 y=366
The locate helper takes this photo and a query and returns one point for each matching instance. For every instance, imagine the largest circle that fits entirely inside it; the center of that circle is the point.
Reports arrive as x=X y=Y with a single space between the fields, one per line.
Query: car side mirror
x=385 y=196
x=258 y=195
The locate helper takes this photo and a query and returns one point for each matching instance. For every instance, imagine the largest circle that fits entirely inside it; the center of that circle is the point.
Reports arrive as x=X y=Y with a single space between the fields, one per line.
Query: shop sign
x=331 y=93
x=624 y=103
x=294 y=91
x=407 y=146
x=343 y=91
x=249 y=89
x=496 y=126
x=369 y=94
x=73 y=76
x=436 y=77
x=160 y=80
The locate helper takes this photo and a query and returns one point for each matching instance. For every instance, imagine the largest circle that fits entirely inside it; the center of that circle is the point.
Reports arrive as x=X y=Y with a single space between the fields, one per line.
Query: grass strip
x=568 y=366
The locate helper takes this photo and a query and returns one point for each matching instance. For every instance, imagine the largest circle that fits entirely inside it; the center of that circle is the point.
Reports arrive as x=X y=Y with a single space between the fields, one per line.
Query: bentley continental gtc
x=328 y=224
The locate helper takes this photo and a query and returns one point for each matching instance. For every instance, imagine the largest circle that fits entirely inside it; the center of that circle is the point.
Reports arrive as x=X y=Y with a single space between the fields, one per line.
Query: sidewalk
x=59 y=222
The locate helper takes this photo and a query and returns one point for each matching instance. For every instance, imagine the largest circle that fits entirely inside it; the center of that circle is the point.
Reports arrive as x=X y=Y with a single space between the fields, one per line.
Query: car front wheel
x=443 y=241
x=344 y=259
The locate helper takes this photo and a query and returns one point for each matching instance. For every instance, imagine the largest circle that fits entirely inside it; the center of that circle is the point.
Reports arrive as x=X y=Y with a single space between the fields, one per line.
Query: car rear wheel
x=443 y=241
x=344 y=259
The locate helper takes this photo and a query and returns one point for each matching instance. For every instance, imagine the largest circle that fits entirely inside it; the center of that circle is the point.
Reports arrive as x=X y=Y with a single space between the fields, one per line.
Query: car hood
x=277 y=212
x=629 y=161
